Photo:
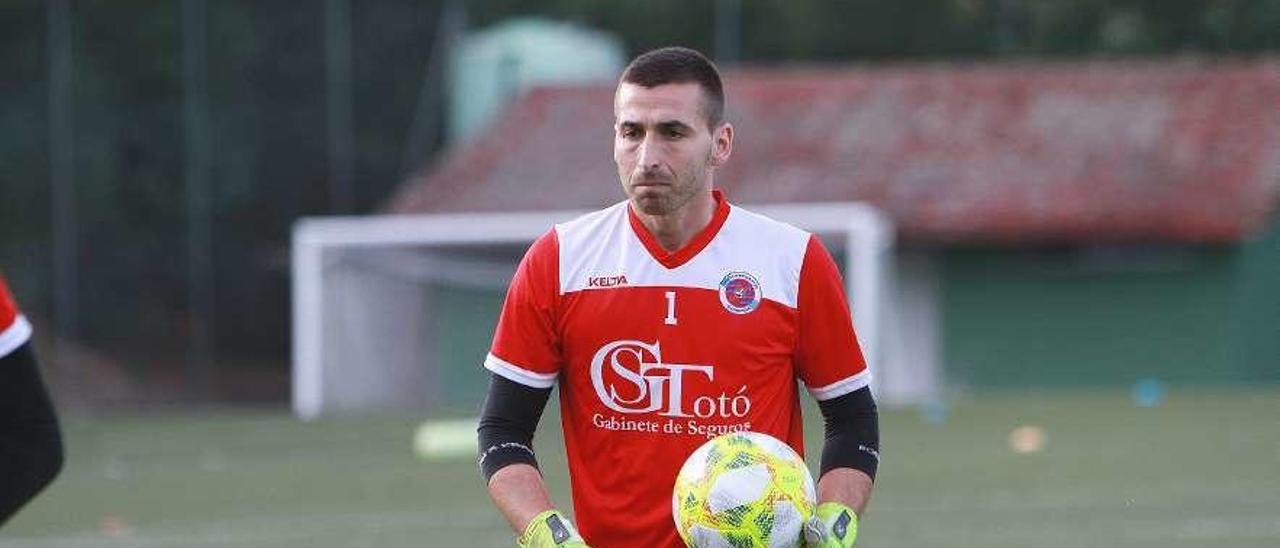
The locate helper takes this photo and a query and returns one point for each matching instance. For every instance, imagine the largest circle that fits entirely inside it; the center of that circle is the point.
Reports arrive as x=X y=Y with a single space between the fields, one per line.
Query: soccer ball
x=742 y=489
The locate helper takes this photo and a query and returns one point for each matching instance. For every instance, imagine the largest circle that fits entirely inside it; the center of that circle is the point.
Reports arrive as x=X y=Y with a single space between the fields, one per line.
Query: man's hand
x=833 y=525
x=551 y=529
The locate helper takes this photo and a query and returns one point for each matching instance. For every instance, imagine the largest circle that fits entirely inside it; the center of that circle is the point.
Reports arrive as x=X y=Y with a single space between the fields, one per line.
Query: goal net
x=396 y=312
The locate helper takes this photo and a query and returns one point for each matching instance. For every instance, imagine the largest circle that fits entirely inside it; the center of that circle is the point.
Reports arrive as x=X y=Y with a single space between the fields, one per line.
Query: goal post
x=379 y=302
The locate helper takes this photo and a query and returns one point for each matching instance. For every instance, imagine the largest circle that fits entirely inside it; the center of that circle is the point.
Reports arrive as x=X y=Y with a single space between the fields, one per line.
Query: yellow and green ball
x=740 y=490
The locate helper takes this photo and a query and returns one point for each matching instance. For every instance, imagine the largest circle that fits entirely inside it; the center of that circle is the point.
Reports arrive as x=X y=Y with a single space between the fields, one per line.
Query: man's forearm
x=847 y=486
x=850 y=455
x=520 y=494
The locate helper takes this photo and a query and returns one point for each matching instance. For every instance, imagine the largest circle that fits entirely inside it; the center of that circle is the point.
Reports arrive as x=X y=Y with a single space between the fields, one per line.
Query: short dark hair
x=677 y=65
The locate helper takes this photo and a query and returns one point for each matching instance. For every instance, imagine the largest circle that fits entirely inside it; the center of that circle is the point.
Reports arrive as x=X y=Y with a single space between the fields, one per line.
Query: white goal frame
x=868 y=243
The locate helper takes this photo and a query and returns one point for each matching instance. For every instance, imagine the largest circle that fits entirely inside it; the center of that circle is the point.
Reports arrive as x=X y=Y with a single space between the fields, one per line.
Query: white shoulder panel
x=770 y=250
x=594 y=245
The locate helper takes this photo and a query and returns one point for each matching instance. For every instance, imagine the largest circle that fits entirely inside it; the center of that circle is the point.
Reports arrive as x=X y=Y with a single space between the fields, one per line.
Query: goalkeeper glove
x=833 y=525
x=551 y=529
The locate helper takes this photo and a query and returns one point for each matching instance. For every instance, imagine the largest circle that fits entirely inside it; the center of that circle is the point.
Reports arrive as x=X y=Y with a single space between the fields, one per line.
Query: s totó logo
x=630 y=377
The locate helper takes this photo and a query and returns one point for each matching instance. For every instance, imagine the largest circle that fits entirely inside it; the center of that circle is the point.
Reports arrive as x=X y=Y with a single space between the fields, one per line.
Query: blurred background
x=1084 y=319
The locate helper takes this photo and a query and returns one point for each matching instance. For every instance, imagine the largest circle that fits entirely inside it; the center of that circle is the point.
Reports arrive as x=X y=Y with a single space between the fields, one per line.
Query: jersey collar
x=696 y=244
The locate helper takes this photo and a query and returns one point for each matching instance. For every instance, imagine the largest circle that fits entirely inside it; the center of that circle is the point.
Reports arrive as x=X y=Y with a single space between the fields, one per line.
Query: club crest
x=739 y=292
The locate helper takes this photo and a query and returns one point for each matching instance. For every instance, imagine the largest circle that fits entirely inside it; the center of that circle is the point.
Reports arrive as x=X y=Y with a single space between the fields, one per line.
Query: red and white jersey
x=658 y=352
x=14 y=328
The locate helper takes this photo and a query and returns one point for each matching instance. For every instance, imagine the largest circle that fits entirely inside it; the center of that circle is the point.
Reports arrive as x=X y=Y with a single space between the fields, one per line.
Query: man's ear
x=721 y=144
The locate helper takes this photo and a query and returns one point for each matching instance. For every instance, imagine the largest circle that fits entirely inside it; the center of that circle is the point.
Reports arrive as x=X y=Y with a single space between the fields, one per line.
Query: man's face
x=663 y=148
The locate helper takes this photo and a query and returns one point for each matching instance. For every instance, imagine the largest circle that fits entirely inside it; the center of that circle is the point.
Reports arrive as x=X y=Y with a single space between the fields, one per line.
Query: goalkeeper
x=30 y=441
x=674 y=313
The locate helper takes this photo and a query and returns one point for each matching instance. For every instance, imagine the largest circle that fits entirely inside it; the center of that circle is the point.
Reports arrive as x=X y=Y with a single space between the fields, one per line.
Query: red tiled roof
x=1099 y=151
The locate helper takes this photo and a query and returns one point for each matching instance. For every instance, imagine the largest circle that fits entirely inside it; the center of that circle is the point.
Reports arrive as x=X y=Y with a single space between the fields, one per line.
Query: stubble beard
x=659 y=201
x=665 y=201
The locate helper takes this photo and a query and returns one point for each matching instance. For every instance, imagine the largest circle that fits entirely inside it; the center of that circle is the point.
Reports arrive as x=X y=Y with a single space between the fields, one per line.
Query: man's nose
x=649 y=156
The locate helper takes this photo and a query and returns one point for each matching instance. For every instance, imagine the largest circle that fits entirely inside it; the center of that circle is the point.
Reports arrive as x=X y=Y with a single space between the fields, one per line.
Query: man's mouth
x=651 y=182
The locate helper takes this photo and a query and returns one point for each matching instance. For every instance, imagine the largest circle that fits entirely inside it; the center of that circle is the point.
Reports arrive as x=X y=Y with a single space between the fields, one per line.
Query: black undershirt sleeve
x=852 y=432
x=507 y=422
x=30 y=440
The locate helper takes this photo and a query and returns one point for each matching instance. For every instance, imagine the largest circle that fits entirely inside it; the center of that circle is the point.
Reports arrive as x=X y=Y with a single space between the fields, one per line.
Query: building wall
x=1089 y=316
x=468 y=317
x=1256 y=346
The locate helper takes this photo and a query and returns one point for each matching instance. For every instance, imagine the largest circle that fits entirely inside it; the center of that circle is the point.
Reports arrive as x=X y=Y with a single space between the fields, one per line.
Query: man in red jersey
x=30 y=442
x=667 y=319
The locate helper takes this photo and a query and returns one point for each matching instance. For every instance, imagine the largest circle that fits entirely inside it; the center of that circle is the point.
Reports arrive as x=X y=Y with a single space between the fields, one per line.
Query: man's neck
x=674 y=230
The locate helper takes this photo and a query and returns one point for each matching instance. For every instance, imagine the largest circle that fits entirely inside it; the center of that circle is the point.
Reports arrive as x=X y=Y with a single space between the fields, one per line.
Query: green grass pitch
x=1202 y=469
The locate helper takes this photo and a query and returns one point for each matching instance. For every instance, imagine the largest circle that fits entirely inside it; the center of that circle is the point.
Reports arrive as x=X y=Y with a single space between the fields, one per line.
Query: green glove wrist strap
x=840 y=522
x=550 y=529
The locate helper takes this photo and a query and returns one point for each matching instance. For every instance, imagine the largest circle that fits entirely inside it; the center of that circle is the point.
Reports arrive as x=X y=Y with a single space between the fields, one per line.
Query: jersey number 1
x=671 y=308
